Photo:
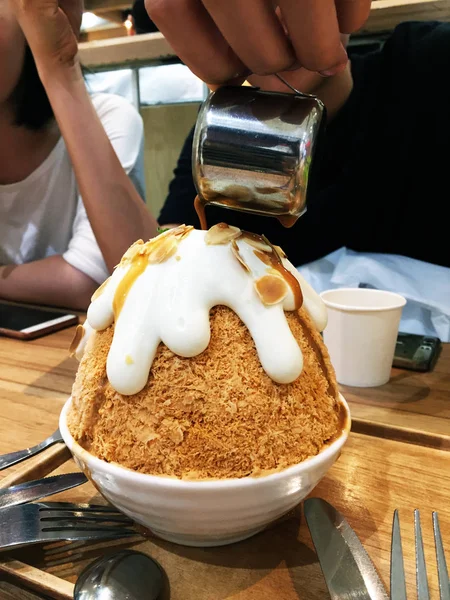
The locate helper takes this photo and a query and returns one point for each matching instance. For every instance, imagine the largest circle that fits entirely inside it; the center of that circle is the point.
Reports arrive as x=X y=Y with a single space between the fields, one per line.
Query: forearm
x=51 y=281
x=117 y=214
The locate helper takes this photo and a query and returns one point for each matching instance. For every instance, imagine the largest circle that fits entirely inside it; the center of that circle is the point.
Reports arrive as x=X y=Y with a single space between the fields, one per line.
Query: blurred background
x=123 y=53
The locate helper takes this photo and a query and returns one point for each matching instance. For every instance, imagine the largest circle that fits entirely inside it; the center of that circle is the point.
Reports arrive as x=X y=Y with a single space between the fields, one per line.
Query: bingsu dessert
x=201 y=358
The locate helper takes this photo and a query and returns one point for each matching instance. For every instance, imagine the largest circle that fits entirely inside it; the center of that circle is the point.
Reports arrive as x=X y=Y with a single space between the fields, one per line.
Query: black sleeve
x=403 y=164
x=179 y=204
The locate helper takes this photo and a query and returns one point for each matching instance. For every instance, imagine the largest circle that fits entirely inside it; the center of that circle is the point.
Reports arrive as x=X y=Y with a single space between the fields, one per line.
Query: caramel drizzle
x=199 y=206
x=273 y=260
x=140 y=260
x=286 y=220
x=137 y=267
x=333 y=391
x=264 y=250
x=140 y=254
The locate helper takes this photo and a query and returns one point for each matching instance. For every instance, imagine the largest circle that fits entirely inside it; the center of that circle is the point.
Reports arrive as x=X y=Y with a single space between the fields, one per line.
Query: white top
x=163 y=291
x=44 y=215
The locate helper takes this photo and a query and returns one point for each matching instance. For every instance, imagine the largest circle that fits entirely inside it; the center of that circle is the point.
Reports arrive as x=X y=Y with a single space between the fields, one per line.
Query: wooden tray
x=372 y=478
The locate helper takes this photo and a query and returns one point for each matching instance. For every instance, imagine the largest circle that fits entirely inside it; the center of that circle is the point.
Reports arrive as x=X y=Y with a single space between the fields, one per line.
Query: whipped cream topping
x=163 y=291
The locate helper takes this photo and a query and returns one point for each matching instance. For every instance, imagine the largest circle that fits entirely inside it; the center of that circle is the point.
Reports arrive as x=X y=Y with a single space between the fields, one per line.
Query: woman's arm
x=49 y=281
x=117 y=214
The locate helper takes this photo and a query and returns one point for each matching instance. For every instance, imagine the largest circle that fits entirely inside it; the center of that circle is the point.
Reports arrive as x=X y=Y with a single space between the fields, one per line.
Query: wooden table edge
x=401 y=434
x=36 y=579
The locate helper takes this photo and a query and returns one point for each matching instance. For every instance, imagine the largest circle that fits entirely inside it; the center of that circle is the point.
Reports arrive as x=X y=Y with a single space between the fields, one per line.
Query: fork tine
x=84 y=507
x=54 y=511
x=91 y=534
x=421 y=568
x=398 y=585
x=78 y=516
x=73 y=526
x=444 y=585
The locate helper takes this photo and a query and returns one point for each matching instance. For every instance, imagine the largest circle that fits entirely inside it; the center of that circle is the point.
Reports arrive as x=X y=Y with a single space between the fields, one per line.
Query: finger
x=253 y=30
x=352 y=14
x=237 y=82
x=195 y=38
x=314 y=31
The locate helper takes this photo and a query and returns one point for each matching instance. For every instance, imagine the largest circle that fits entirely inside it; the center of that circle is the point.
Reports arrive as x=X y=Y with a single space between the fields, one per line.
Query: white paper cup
x=361 y=334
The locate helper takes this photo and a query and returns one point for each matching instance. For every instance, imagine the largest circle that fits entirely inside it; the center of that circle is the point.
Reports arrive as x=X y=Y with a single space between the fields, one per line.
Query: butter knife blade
x=347 y=568
x=39 y=488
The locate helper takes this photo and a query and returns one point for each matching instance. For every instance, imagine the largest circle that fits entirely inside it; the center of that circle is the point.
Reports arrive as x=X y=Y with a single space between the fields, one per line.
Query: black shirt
x=384 y=179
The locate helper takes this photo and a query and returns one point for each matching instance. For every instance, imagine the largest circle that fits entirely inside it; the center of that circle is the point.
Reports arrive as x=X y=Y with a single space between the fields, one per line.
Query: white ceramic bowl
x=204 y=513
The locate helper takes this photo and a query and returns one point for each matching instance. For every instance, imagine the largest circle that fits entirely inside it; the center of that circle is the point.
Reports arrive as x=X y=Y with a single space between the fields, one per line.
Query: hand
x=51 y=28
x=224 y=40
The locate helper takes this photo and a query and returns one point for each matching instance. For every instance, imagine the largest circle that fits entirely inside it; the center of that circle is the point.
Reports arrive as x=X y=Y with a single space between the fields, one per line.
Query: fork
x=56 y=521
x=398 y=585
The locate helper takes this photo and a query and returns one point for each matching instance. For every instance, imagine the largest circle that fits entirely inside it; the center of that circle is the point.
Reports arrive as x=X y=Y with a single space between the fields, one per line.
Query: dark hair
x=142 y=21
x=33 y=109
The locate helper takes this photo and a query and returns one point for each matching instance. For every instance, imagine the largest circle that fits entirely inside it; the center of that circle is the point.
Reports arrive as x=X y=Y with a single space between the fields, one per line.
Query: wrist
x=57 y=74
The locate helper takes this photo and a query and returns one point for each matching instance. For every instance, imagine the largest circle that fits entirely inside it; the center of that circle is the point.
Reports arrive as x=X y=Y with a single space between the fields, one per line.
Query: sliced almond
x=268 y=242
x=133 y=251
x=162 y=250
x=257 y=242
x=272 y=289
x=277 y=253
x=222 y=233
x=159 y=248
x=79 y=335
x=280 y=252
x=235 y=251
x=181 y=231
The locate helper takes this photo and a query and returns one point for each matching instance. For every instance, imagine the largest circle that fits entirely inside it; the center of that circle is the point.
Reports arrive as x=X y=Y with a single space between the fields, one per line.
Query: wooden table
x=413 y=407
x=397 y=456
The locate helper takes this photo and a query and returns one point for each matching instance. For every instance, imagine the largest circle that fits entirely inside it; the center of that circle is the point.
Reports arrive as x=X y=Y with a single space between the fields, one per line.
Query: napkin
x=425 y=286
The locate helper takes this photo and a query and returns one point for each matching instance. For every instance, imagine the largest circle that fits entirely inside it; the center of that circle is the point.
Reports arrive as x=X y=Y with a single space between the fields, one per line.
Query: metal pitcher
x=254 y=151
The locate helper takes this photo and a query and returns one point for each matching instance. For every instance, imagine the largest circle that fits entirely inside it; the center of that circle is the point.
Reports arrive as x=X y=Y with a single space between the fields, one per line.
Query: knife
x=12 y=458
x=349 y=573
x=39 y=488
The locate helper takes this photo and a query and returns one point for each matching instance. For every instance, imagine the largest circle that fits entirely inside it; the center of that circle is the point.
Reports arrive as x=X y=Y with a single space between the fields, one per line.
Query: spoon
x=124 y=575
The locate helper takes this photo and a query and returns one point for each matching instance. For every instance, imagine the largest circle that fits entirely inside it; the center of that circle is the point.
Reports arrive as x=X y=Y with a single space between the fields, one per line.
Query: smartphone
x=27 y=323
x=416 y=352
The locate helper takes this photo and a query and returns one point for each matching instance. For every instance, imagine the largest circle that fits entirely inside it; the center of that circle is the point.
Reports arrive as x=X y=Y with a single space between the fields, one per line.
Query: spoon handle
x=7 y=460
